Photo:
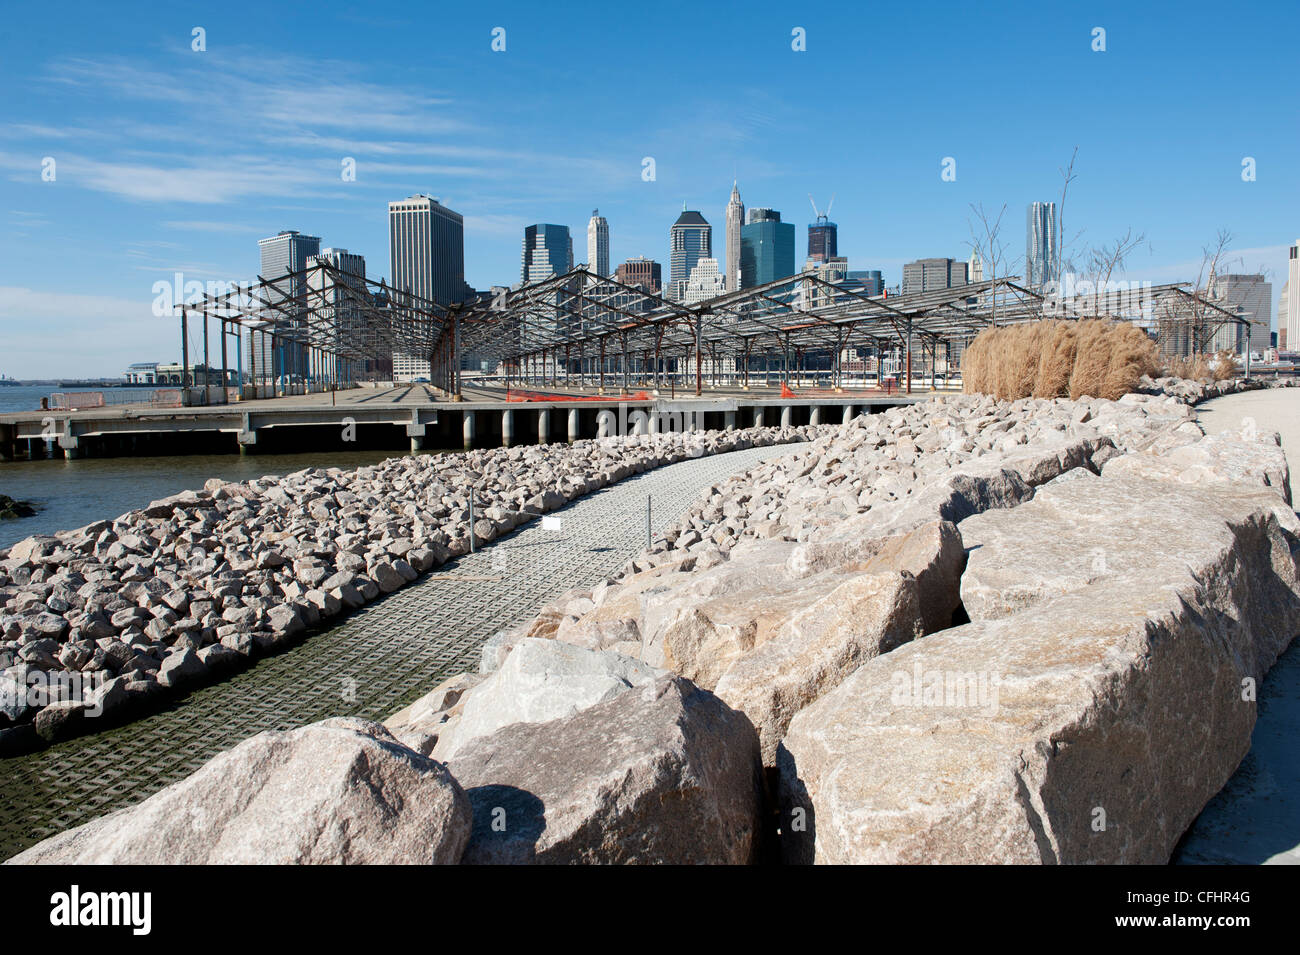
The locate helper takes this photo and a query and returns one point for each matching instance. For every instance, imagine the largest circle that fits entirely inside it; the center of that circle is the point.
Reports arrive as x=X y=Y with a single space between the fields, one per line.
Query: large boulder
x=1076 y=533
x=339 y=791
x=1091 y=726
x=818 y=647
x=1231 y=458
x=662 y=773
x=541 y=680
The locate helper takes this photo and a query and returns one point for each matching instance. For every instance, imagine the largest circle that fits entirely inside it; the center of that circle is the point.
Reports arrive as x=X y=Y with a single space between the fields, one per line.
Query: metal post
x=185 y=353
x=471 y=522
x=649 y=534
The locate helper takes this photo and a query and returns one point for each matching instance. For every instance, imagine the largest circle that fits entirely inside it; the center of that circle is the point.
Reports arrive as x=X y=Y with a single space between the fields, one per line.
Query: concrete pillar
x=417 y=443
x=574 y=434
x=467 y=428
x=654 y=421
x=507 y=428
x=848 y=413
x=758 y=416
x=543 y=425
x=731 y=421
x=786 y=416
x=816 y=416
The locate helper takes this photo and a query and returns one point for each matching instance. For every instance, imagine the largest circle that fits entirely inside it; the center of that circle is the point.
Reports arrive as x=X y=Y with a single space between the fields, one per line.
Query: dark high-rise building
x=284 y=262
x=690 y=239
x=646 y=273
x=766 y=248
x=823 y=240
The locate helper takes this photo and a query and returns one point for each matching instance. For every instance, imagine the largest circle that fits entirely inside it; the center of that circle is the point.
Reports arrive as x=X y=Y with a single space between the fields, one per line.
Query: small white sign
x=550 y=523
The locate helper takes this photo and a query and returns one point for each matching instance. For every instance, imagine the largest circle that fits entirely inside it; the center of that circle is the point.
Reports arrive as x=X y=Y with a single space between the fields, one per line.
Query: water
x=70 y=494
x=25 y=397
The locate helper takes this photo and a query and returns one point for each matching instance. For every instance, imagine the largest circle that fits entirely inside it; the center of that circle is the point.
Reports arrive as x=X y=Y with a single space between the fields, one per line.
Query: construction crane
x=822 y=216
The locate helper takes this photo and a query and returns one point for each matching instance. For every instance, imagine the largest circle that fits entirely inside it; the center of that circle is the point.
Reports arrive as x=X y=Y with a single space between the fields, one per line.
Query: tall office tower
x=926 y=275
x=284 y=262
x=339 y=293
x=1254 y=296
x=426 y=256
x=426 y=249
x=823 y=240
x=548 y=250
x=1040 y=244
x=766 y=248
x=647 y=273
x=735 y=222
x=598 y=243
x=975 y=267
x=1291 y=301
x=690 y=239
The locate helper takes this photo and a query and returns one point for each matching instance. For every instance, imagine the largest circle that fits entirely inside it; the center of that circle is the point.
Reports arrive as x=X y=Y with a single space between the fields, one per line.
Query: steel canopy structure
x=582 y=327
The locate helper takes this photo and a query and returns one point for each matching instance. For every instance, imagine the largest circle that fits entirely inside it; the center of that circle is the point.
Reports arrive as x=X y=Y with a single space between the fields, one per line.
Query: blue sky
x=173 y=160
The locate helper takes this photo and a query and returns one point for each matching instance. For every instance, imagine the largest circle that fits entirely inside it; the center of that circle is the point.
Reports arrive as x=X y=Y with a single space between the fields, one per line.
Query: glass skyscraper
x=548 y=250
x=766 y=248
x=426 y=249
x=1040 y=244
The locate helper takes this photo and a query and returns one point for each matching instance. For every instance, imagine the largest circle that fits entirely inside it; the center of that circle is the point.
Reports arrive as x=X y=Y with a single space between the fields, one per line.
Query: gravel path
x=376 y=661
x=1256 y=818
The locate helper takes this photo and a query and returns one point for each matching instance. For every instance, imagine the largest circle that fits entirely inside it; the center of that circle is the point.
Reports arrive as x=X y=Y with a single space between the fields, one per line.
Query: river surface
x=25 y=397
x=70 y=494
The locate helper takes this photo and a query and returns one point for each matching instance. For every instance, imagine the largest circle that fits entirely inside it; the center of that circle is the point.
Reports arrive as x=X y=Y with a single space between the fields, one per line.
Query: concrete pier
x=848 y=413
x=392 y=417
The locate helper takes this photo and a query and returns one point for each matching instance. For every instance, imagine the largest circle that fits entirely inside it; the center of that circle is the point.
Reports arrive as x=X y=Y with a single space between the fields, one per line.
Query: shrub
x=1054 y=358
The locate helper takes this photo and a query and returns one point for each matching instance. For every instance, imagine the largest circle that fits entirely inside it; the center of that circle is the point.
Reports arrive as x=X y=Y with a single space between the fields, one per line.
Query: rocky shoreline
x=963 y=631
x=109 y=621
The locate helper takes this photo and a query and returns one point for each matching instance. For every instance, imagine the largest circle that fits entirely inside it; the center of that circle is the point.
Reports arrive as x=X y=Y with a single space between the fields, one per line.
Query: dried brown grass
x=1212 y=366
x=1054 y=358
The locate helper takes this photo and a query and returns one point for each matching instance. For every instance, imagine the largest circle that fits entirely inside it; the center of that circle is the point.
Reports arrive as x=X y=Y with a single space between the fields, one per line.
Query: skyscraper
x=426 y=249
x=339 y=294
x=975 y=267
x=426 y=255
x=598 y=243
x=690 y=239
x=823 y=240
x=705 y=282
x=927 y=275
x=284 y=262
x=766 y=248
x=1040 y=245
x=735 y=222
x=640 y=271
x=1292 y=300
x=548 y=250
x=1254 y=296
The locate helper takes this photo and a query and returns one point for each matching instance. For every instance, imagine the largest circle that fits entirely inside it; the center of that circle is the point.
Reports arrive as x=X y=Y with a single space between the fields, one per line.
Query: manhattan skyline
x=170 y=159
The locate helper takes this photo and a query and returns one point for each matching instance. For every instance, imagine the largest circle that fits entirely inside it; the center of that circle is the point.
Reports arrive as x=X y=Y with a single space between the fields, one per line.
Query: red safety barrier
x=513 y=395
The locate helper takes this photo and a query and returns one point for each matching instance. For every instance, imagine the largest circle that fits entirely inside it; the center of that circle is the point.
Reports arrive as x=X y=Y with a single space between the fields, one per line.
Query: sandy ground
x=1256 y=818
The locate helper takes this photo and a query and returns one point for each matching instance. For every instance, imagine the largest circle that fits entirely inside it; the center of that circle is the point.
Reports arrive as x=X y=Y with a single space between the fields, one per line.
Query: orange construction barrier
x=514 y=395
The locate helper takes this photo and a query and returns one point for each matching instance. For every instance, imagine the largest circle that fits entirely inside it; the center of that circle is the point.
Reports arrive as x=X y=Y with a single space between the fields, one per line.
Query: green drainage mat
x=377 y=660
